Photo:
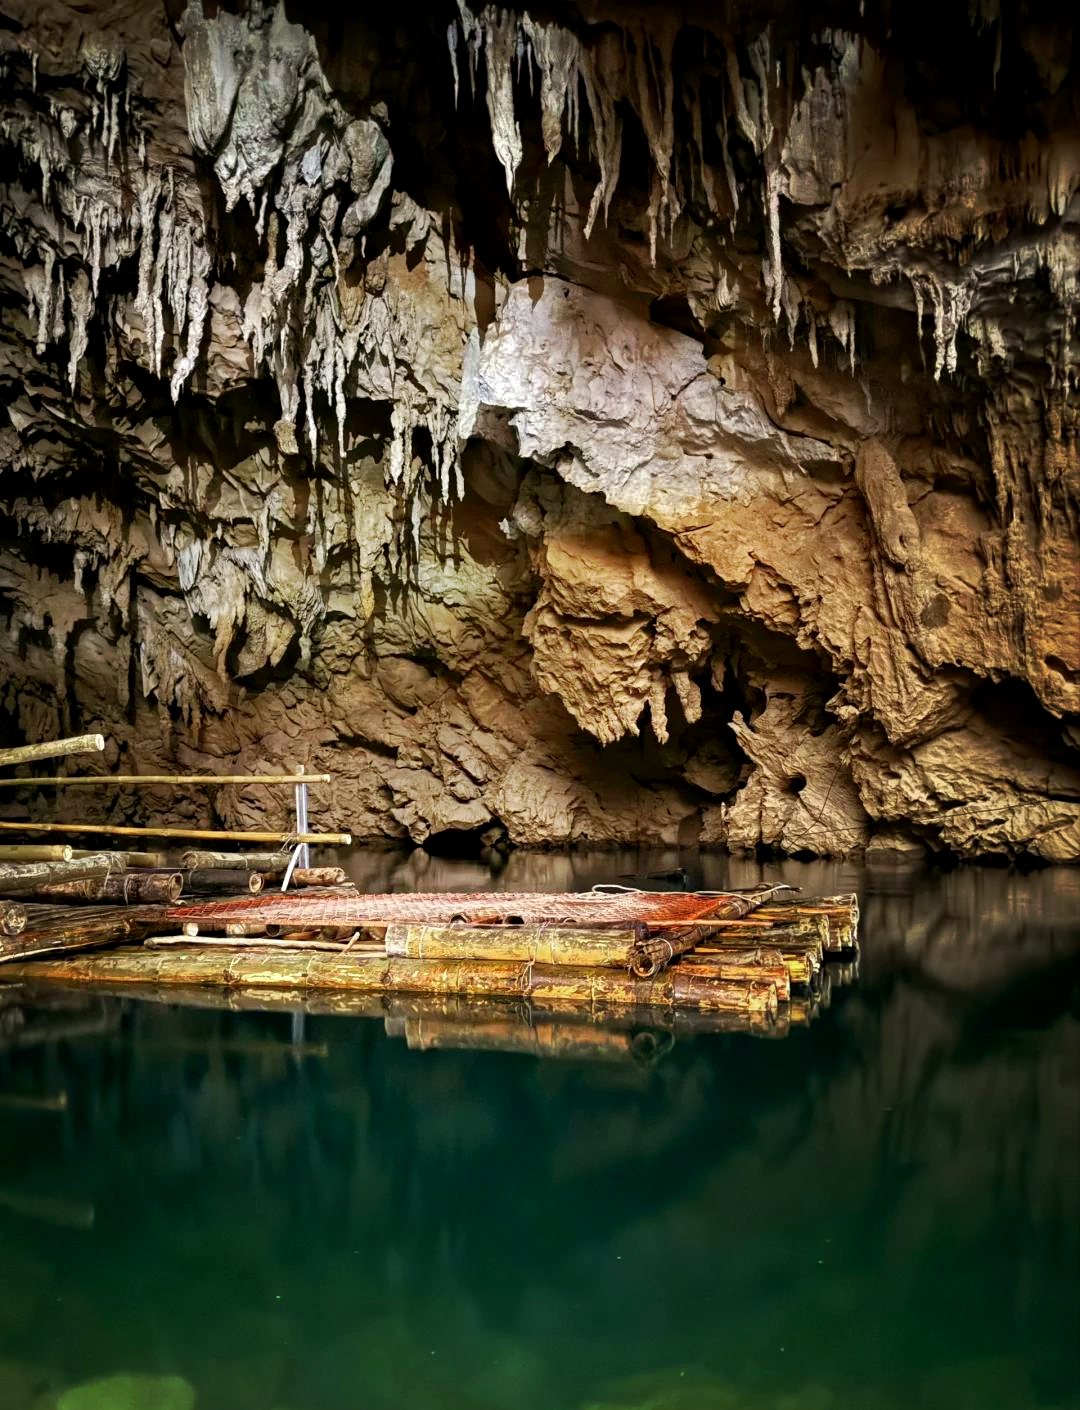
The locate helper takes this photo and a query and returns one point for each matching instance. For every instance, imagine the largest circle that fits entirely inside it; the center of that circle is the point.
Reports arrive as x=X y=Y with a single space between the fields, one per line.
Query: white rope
x=292 y=864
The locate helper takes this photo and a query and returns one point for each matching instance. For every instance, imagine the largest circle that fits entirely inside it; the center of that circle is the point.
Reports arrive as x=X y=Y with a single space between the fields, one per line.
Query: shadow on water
x=307 y=1213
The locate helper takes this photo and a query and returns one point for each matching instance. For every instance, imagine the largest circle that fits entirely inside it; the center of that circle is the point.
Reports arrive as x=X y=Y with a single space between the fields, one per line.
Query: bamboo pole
x=54 y=749
x=81 y=889
x=17 y=877
x=235 y=942
x=59 y=929
x=269 y=863
x=803 y=966
x=316 y=876
x=159 y=861
x=840 y=915
x=580 y=988
x=322 y=839
x=221 y=881
x=27 y=852
x=131 y=888
x=745 y=967
x=521 y=943
x=12 y=918
x=154 y=780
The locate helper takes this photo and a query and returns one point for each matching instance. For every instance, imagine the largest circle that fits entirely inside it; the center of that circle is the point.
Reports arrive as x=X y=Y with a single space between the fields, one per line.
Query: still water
x=302 y=1213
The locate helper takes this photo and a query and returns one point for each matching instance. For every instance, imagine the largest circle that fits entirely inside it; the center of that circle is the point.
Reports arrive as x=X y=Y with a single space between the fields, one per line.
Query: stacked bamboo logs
x=764 y=962
x=89 y=900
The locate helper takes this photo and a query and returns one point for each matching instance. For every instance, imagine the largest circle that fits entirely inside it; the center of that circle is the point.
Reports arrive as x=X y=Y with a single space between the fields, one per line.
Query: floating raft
x=759 y=957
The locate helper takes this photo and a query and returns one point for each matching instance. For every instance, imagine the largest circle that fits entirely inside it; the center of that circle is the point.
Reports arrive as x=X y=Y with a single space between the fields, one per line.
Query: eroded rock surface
x=631 y=427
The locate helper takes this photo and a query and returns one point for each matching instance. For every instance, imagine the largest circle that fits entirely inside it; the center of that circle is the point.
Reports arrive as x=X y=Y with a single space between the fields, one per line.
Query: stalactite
x=81 y=305
x=658 y=686
x=842 y=323
x=451 y=39
x=558 y=55
x=606 y=129
x=195 y=317
x=653 y=98
x=950 y=302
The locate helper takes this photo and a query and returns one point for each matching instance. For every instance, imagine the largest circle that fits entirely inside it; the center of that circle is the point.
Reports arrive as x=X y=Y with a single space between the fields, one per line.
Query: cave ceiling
x=600 y=423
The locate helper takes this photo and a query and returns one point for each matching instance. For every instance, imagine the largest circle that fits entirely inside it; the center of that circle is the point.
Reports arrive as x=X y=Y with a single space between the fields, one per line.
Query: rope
x=525 y=979
x=292 y=866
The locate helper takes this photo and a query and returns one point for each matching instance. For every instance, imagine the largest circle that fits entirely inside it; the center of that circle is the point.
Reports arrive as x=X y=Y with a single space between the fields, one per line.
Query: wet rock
x=894 y=844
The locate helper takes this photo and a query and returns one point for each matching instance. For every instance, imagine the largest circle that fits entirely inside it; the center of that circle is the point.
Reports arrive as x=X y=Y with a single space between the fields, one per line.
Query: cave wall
x=612 y=424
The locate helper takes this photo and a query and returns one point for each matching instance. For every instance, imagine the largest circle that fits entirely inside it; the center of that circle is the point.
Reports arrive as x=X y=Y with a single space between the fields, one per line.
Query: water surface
x=303 y=1213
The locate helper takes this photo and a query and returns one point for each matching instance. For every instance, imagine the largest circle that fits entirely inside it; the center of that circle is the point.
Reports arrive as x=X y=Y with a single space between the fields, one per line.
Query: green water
x=880 y=1210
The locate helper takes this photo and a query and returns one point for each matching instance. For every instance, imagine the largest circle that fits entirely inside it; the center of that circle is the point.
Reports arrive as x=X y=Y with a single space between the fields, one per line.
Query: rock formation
x=629 y=423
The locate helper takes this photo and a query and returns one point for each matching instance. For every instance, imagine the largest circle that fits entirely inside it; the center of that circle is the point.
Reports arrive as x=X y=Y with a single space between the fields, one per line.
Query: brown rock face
x=643 y=426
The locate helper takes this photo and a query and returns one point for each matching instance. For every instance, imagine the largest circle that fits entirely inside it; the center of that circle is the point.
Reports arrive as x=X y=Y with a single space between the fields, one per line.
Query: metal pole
x=304 y=860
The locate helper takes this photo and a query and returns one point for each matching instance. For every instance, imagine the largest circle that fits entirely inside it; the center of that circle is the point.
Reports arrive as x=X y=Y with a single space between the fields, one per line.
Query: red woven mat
x=442 y=908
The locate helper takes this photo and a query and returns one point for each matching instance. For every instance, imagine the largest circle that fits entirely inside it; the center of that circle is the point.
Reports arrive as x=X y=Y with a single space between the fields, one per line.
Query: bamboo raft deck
x=757 y=961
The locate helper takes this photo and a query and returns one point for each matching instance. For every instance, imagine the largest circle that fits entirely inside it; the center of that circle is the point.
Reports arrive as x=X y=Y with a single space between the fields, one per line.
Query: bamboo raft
x=760 y=959
x=207 y=921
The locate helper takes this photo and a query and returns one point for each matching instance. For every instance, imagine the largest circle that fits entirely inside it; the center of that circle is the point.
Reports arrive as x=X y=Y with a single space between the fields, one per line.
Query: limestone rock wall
x=642 y=425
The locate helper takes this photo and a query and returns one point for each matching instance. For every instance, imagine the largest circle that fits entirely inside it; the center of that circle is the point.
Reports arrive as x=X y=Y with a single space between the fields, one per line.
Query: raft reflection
x=879 y=1211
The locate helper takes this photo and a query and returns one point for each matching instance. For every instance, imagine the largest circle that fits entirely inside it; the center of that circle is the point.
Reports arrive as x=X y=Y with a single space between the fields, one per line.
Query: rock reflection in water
x=879 y=1211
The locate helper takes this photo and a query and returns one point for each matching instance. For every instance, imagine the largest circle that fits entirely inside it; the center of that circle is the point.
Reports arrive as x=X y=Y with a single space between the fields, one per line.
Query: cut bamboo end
x=53 y=749
x=12 y=918
x=28 y=852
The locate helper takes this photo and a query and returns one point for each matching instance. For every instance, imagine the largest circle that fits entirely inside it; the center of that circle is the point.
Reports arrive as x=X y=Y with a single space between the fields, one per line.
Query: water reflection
x=879 y=1211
